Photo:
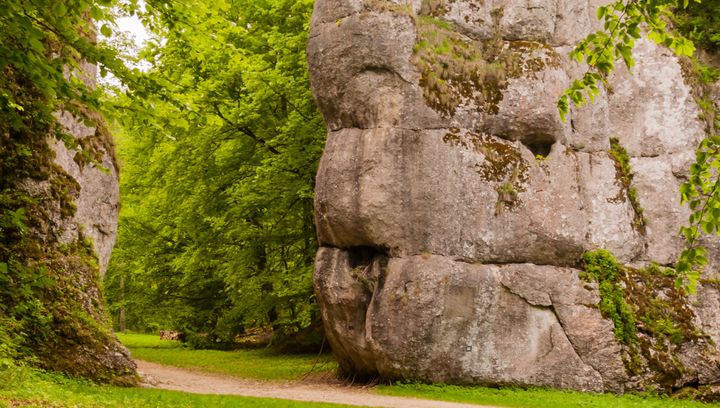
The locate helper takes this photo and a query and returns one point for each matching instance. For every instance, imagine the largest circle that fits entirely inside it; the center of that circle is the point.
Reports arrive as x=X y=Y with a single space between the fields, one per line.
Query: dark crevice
x=362 y=256
x=494 y=262
x=383 y=70
x=539 y=147
x=367 y=267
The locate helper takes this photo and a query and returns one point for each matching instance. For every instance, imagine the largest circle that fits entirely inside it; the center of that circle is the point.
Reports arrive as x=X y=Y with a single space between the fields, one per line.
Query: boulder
x=454 y=206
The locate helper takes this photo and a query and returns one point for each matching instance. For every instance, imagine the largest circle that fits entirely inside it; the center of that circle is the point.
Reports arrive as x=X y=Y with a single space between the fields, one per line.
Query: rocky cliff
x=64 y=178
x=454 y=207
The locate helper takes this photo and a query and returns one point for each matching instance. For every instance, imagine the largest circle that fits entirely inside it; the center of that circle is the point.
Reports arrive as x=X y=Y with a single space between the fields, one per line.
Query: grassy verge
x=25 y=387
x=534 y=398
x=262 y=364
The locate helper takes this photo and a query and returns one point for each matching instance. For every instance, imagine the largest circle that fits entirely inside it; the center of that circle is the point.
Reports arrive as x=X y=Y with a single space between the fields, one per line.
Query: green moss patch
x=455 y=69
x=625 y=181
x=652 y=317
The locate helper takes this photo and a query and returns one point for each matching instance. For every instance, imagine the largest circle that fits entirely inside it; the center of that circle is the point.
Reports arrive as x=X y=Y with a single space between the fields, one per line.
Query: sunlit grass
x=534 y=398
x=259 y=364
x=136 y=340
x=30 y=388
x=267 y=365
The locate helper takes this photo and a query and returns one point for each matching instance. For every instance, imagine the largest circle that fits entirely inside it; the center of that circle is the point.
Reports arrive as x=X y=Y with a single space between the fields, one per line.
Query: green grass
x=261 y=364
x=267 y=365
x=534 y=398
x=22 y=386
x=31 y=388
x=26 y=387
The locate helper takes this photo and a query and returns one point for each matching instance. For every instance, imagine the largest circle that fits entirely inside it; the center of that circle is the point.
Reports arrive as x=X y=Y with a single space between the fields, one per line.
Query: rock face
x=453 y=205
x=75 y=224
x=96 y=220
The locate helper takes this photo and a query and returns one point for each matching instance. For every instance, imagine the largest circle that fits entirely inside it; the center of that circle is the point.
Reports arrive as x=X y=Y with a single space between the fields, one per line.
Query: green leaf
x=683 y=46
x=96 y=13
x=106 y=30
x=601 y=12
x=657 y=36
x=626 y=53
x=59 y=9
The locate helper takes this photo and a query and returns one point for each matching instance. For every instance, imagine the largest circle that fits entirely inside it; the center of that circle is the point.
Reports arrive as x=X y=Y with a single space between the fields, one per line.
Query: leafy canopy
x=219 y=158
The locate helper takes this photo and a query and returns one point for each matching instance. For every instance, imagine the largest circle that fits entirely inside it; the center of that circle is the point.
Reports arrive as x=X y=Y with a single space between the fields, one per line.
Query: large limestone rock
x=453 y=205
x=75 y=224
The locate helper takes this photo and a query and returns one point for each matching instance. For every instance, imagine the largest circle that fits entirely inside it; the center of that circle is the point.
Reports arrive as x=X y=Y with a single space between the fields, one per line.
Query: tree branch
x=245 y=130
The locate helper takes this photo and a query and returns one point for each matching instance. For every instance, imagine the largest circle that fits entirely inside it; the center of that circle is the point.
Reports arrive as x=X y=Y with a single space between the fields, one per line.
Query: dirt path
x=179 y=379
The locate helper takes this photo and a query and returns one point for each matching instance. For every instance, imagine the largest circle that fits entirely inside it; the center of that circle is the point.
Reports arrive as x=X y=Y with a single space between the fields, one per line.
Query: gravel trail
x=180 y=379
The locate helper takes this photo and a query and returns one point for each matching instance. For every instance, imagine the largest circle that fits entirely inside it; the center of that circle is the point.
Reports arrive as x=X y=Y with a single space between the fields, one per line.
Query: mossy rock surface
x=52 y=191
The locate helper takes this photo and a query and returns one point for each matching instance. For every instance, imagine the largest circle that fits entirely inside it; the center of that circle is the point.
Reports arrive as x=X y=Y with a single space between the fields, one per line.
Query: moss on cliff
x=653 y=319
x=50 y=301
x=436 y=8
x=625 y=181
x=701 y=77
x=456 y=70
x=386 y=6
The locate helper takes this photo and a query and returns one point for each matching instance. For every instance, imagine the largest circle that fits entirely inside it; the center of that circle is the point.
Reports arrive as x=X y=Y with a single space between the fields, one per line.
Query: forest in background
x=218 y=164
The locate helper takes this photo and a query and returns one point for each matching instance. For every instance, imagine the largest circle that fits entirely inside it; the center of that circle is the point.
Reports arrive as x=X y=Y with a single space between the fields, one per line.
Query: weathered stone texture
x=451 y=232
x=98 y=201
x=84 y=214
x=444 y=316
